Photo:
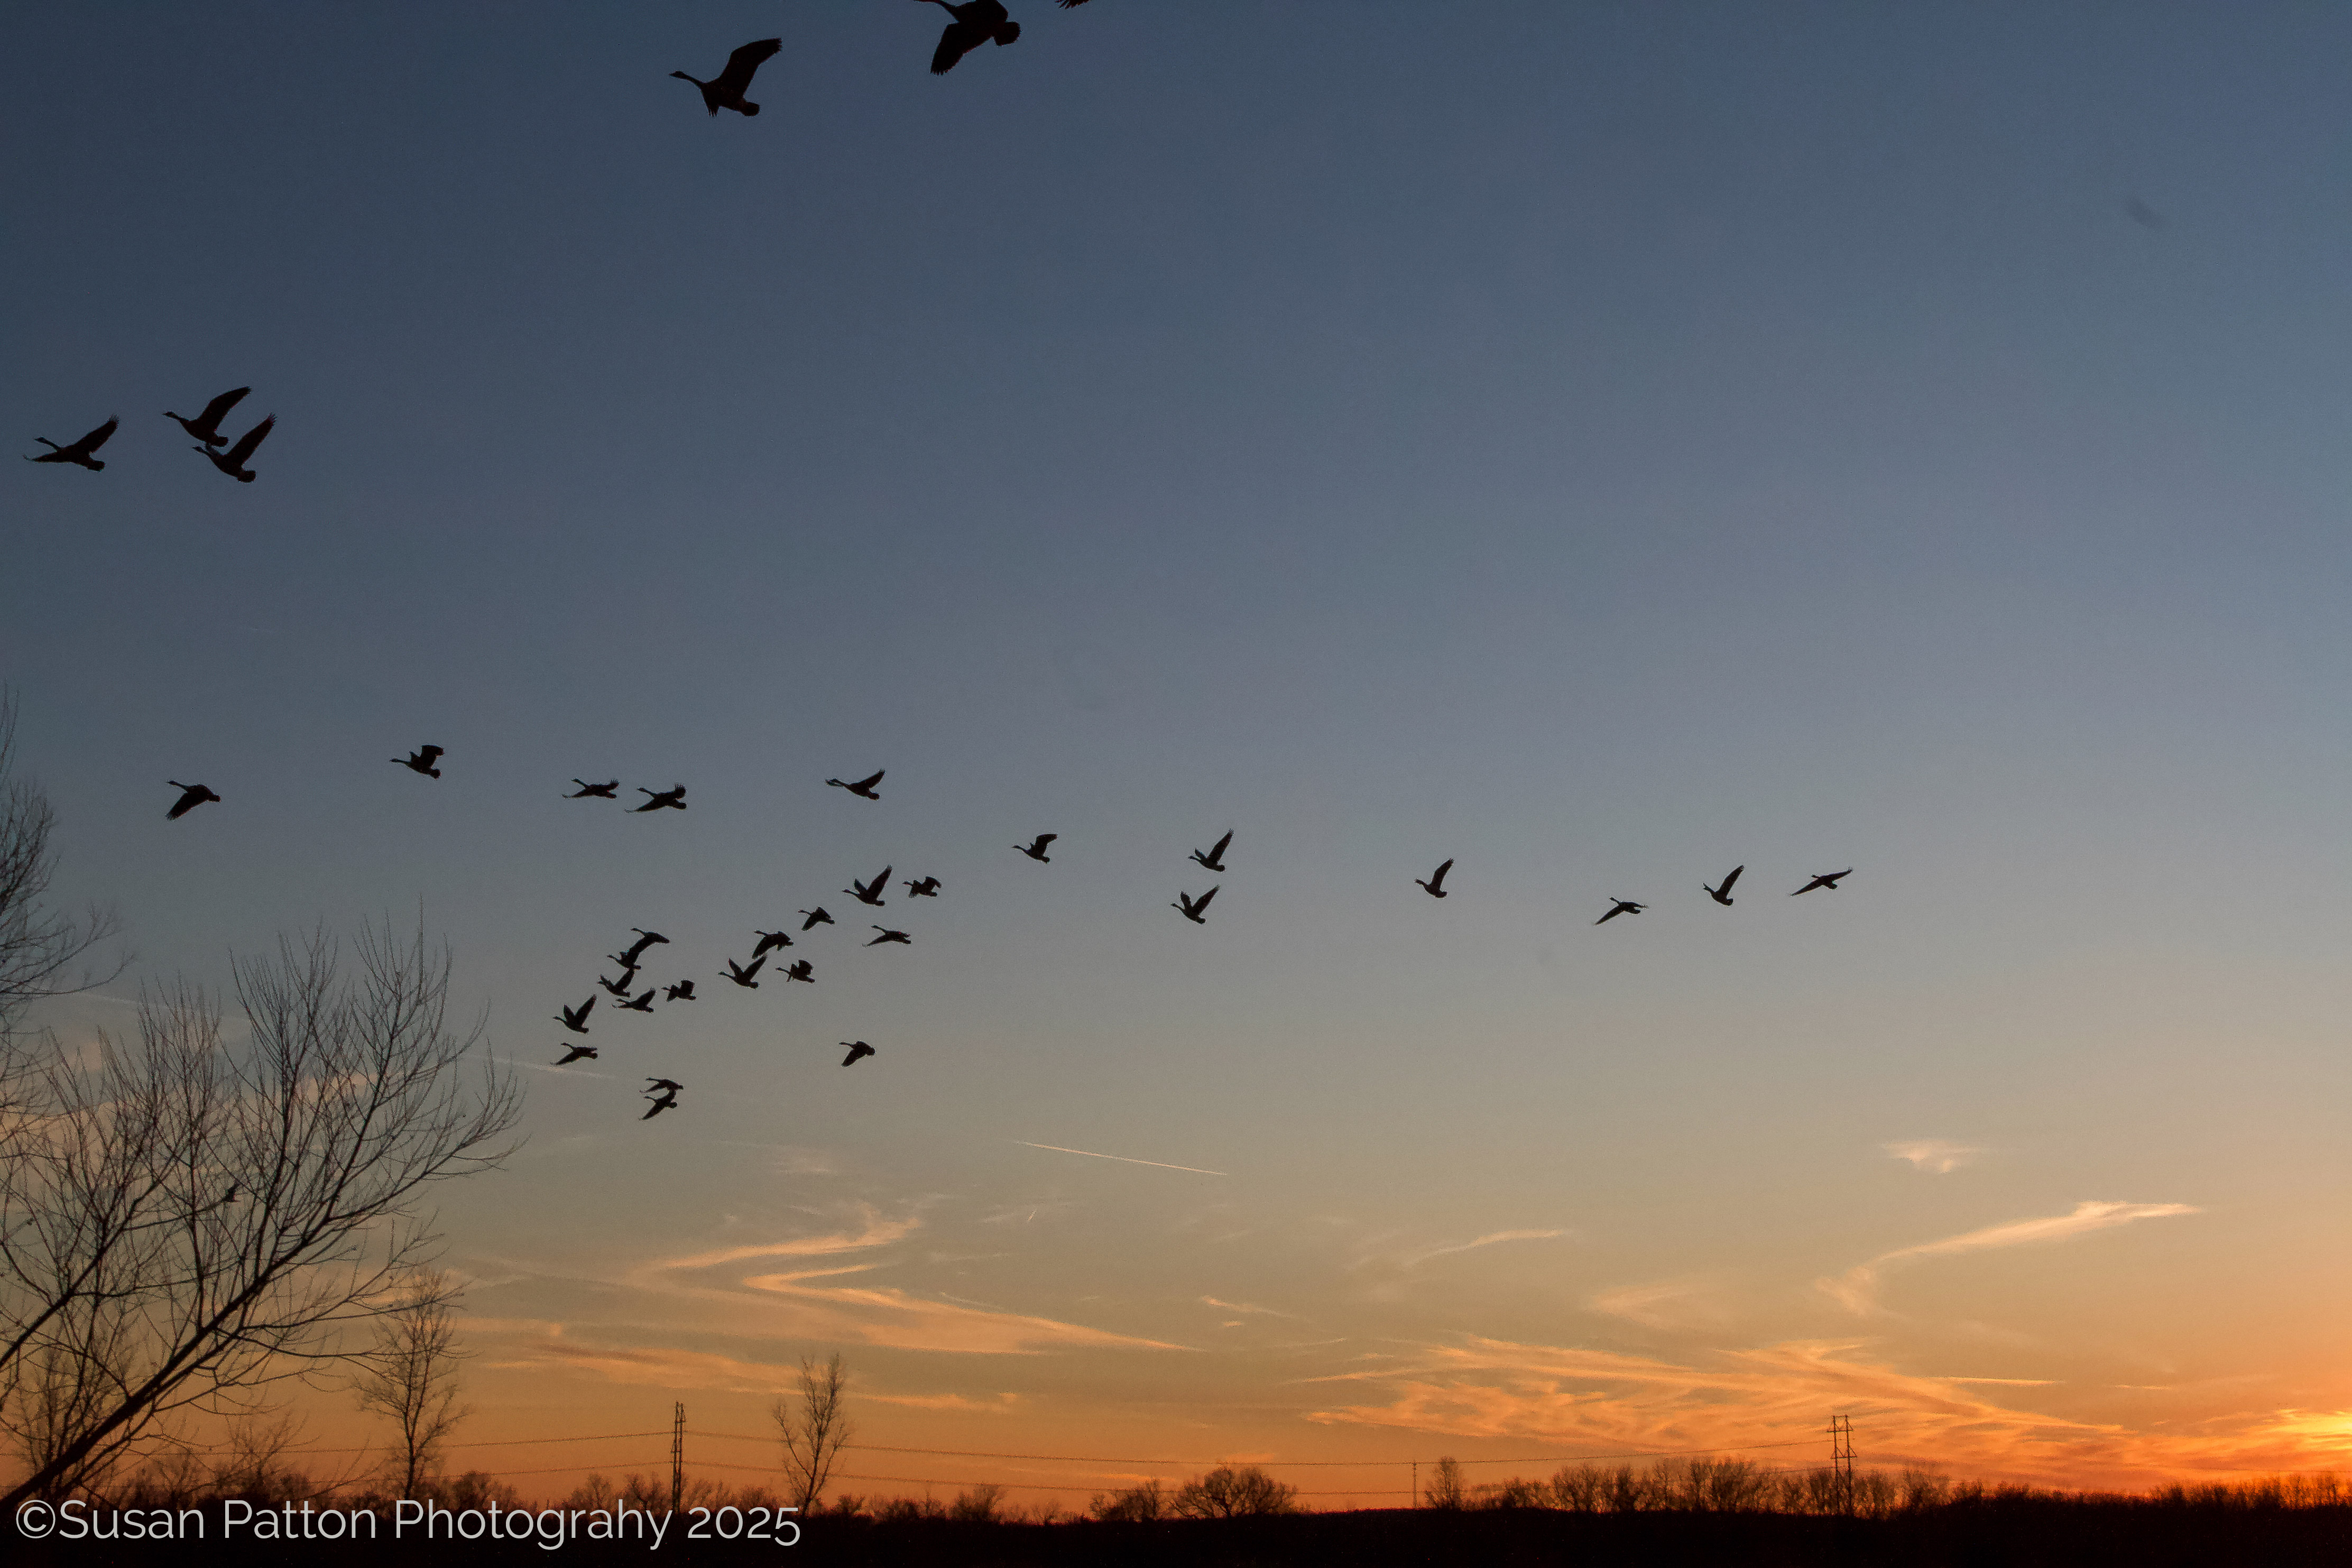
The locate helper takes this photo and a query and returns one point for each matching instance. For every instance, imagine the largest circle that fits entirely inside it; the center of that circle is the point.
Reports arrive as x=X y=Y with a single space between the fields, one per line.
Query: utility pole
x=1416 y=1483
x=1841 y=1459
x=677 y=1457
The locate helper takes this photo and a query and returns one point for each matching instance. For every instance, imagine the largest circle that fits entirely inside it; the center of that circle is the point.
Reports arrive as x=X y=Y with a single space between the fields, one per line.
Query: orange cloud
x=1857 y=1289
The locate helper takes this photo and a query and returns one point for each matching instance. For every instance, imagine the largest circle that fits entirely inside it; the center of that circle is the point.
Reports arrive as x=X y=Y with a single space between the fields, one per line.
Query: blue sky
x=1602 y=445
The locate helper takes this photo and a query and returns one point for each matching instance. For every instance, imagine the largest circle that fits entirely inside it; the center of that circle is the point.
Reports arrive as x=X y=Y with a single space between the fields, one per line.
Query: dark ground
x=2027 y=1533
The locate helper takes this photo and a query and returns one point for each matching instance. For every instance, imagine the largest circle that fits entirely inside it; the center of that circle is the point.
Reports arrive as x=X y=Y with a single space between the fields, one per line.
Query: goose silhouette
x=744 y=976
x=1191 y=908
x=673 y=796
x=888 y=935
x=574 y=1053
x=1037 y=850
x=977 y=22
x=769 y=941
x=206 y=426
x=1624 y=907
x=681 y=992
x=816 y=917
x=421 y=760
x=928 y=888
x=864 y=786
x=1435 y=886
x=856 y=1049
x=869 y=892
x=643 y=1003
x=576 y=1018
x=667 y=1102
x=1722 y=895
x=595 y=792
x=1214 y=860
x=190 y=797
x=78 y=453
x=726 y=89
x=1829 y=880
x=801 y=970
x=232 y=462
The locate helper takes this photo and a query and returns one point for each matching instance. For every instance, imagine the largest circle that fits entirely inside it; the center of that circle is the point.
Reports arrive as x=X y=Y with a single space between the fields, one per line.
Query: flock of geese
x=971 y=23
x=625 y=995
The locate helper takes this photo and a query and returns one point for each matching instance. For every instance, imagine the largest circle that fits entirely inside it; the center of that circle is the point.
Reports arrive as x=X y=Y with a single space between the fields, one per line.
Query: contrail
x=1090 y=1154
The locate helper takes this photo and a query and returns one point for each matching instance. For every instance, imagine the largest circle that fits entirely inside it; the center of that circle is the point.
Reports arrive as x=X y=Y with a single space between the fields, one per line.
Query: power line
x=1272 y=1464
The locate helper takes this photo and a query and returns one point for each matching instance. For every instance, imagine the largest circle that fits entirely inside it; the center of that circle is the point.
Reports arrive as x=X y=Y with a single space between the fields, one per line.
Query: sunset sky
x=1602 y=445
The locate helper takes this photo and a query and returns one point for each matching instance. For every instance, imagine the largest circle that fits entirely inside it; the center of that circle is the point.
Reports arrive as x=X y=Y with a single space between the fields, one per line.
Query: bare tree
x=812 y=1434
x=1446 y=1487
x=197 y=1216
x=1229 y=1493
x=38 y=946
x=410 y=1375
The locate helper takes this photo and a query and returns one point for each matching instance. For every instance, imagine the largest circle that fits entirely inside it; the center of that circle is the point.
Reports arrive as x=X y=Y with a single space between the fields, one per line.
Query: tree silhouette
x=813 y=1432
x=1229 y=1493
x=410 y=1375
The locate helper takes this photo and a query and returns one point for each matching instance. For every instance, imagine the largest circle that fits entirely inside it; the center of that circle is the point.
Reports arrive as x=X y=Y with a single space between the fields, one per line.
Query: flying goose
x=802 y=970
x=863 y=786
x=1191 y=907
x=727 y=89
x=595 y=792
x=232 y=462
x=673 y=796
x=667 y=1102
x=869 y=892
x=1624 y=907
x=619 y=988
x=574 y=1053
x=1723 y=895
x=888 y=935
x=742 y=976
x=681 y=992
x=769 y=941
x=206 y=426
x=1214 y=860
x=666 y=1085
x=80 y=452
x=576 y=1018
x=646 y=938
x=421 y=760
x=816 y=917
x=190 y=797
x=856 y=1049
x=1037 y=852
x=976 y=21
x=643 y=1003
x=1435 y=886
x=928 y=888
x=1829 y=880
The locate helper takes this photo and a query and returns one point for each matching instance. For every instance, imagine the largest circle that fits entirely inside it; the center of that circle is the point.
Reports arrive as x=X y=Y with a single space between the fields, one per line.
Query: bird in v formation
x=726 y=89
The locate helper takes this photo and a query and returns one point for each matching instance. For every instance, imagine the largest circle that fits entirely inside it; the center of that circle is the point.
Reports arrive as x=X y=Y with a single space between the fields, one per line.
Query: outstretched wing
x=868 y=784
x=249 y=440
x=1046 y=839
x=1217 y=853
x=743 y=62
x=96 y=438
x=756 y=964
x=1611 y=915
x=1437 y=878
x=1733 y=878
x=1203 y=902
x=959 y=40
x=220 y=406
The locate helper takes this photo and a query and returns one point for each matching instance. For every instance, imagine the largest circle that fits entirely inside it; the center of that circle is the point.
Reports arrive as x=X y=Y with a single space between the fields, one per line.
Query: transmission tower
x=677 y=1457
x=1841 y=1459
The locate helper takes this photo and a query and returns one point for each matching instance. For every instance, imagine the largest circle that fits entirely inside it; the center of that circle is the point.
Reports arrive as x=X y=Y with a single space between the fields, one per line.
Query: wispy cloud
x=1491 y=1238
x=875 y=1231
x=1939 y=1157
x=1122 y=1159
x=1857 y=1289
x=885 y=1315
x=1252 y=1308
x=1663 y=1304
